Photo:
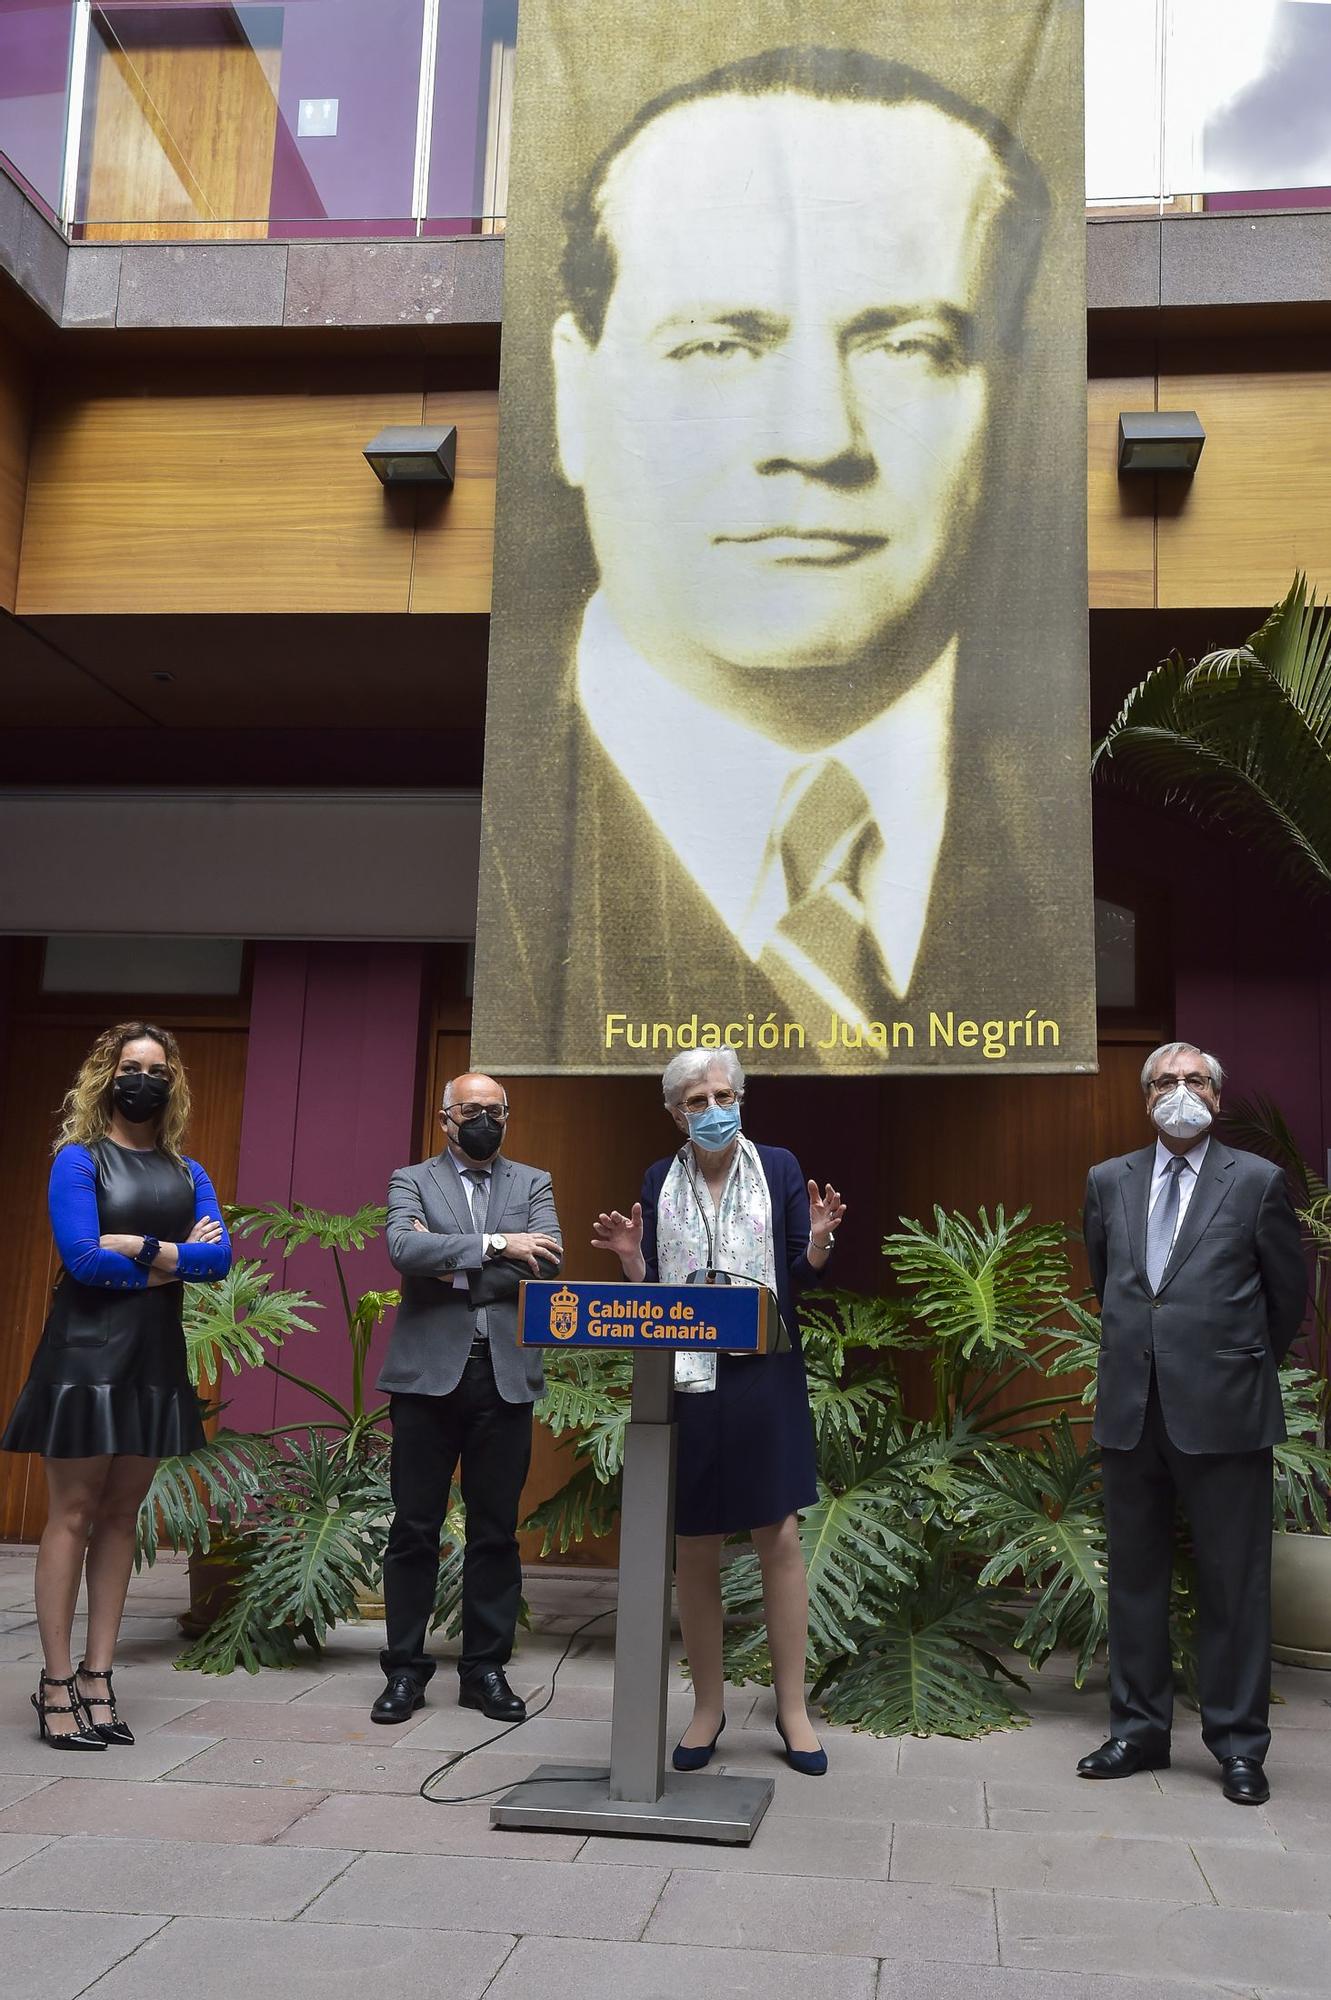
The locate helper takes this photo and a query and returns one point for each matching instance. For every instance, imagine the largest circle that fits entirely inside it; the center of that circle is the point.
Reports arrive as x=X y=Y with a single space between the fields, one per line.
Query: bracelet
x=829 y=1245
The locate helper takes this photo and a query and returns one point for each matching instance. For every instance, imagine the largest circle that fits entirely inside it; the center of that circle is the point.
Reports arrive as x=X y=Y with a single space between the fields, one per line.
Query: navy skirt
x=746 y=1453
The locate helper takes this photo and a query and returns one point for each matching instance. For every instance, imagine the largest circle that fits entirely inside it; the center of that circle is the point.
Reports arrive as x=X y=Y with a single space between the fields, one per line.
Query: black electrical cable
x=451 y=1763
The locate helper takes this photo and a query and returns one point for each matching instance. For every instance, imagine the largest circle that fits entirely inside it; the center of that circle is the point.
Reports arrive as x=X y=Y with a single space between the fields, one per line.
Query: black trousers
x=493 y=1440
x=1227 y=1496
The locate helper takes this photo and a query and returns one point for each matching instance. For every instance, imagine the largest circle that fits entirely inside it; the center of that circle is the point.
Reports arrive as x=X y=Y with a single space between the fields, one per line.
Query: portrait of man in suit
x=792 y=319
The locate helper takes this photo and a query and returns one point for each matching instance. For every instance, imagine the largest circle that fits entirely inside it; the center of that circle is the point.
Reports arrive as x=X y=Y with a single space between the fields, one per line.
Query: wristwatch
x=146 y=1256
x=498 y=1245
x=829 y=1245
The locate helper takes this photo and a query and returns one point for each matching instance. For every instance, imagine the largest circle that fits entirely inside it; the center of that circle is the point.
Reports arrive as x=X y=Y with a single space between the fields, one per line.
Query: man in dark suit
x=464 y=1229
x=1195 y=1255
x=801 y=766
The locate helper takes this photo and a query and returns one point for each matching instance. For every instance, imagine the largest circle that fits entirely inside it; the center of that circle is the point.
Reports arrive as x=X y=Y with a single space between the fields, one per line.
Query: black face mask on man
x=139 y=1095
x=481 y=1137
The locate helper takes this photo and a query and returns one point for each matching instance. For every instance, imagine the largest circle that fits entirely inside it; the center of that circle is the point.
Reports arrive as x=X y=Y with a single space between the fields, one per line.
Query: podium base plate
x=572 y=1798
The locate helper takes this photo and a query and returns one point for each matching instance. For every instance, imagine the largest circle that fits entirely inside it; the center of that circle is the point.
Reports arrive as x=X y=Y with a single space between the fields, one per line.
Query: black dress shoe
x=1245 y=1781
x=1117 y=1759
x=491 y=1693
x=399 y=1700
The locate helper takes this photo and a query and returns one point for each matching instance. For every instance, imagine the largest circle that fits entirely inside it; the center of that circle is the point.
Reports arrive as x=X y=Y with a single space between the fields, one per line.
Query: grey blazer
x=1230 y=1303
x=436 y=1322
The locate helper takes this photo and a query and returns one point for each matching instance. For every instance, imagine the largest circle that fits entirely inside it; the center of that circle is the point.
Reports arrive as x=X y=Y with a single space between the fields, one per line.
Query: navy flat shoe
x=695 y=1760
x=809 y=1763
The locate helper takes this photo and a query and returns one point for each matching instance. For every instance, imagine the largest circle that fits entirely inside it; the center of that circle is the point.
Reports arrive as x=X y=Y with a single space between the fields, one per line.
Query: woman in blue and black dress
x=108 y=1393
x=746 y=1455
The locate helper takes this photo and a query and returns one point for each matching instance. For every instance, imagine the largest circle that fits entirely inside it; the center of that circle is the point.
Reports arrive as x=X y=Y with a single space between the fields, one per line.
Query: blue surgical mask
x=713 y=1129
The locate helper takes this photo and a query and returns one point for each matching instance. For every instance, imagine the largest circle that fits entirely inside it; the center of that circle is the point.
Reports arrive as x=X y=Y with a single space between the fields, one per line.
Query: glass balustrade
x=183 y=119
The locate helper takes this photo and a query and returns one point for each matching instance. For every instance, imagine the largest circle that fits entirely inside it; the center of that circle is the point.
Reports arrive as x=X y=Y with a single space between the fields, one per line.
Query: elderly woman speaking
x=746 y=1459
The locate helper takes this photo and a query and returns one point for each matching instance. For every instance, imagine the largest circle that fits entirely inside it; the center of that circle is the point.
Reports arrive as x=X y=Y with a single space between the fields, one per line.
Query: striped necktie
x=826 y=842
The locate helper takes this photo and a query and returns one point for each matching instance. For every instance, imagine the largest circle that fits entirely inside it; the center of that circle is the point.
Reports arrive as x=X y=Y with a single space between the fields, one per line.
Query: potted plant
x=302 y=1509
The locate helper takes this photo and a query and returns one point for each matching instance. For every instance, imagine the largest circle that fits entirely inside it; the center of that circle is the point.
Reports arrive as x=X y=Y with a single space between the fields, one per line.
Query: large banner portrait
x=787 y=740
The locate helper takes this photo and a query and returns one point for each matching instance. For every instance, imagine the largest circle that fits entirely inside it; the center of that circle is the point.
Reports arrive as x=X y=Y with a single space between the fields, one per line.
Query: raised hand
x=620 y=1234
x=825 y=1213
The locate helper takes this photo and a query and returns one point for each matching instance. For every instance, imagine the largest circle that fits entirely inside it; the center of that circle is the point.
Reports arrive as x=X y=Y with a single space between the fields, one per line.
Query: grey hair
x=1182 y=1049
x=692 y=1065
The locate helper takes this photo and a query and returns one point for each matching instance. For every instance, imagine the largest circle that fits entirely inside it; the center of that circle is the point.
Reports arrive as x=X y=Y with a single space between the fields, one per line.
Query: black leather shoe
x=491 y=1693
x=1117 y=1759
x=399 y=1700
x=1245 y=1781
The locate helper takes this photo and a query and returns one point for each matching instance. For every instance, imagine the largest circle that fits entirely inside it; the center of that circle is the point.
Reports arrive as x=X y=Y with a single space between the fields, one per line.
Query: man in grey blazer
x=464 y=1229
x=1195 y=1255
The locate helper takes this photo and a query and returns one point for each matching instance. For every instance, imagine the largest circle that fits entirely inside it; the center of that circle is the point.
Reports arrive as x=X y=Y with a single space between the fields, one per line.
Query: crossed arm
x=94 y=1257
x=417 y=1251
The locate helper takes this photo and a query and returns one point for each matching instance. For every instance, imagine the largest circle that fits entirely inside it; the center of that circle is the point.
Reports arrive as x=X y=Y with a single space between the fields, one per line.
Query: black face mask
x=480 y=1137
x=139 y=1096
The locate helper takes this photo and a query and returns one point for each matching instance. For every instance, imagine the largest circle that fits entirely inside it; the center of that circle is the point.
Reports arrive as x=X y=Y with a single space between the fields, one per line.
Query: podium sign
x=707 y=1319
x=636 y=1795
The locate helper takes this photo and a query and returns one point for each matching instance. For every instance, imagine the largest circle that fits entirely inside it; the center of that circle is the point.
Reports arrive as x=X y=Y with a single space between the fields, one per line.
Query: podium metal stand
x=637 y=1795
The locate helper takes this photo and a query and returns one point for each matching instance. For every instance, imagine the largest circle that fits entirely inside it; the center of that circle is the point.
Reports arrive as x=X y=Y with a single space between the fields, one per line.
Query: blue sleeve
x=204 y=1261
x=76 y=1226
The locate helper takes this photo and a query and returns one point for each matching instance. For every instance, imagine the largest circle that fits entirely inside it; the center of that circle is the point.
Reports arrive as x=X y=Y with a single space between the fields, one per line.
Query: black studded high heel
x=114 y=1731
x=83 y=1738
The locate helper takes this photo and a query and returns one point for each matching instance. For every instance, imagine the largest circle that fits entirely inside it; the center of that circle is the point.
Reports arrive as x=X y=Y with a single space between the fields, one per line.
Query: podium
x=636 y=1794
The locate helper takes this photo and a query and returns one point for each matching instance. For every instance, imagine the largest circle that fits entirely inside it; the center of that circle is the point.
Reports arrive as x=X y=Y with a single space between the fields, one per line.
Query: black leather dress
x=109 y=1374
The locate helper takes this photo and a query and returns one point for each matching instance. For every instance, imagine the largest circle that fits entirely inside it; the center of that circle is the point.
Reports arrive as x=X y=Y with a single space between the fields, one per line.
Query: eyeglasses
x=1196 y=1081
x=700 y=1099
x=467 y=1114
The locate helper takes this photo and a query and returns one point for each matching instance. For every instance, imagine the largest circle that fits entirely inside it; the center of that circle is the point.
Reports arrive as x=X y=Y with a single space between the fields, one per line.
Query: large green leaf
x=584 y=1507
x=589 y=1394
x=292 y=1227
x=229 y=1324
x=192 y=1498
x=932 y=1667
x=1041 y=1514
x=1302 y=1462
x=981 y=1285
x=1243 y=739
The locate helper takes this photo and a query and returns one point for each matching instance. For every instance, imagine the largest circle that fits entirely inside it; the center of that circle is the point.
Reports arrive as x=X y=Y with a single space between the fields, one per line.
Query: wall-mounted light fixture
x=415 y=454
x=1159 y=440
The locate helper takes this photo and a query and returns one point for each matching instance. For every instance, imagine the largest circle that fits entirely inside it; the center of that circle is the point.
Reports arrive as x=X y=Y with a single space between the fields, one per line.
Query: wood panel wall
x=42 y=1054
x=17 y=388
x=181 y=135
x=221 y=489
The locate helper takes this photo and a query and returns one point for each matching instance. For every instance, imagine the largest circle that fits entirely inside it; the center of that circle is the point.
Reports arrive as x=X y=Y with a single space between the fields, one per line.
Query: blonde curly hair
x=85 y=1115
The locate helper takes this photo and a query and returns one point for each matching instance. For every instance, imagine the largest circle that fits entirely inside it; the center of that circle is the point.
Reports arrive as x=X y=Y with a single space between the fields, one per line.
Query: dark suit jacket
x=790 y=1226
x=591 y=914
x=437 y=1322
x=1229 y=1306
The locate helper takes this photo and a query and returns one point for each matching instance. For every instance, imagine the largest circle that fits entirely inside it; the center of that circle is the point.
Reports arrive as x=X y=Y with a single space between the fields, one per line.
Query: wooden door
x=181 y=122
x=38 y=1063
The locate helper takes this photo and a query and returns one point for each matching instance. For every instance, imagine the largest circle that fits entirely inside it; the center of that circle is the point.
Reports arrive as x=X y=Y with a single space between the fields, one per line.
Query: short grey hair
x=692 y=1065
x=1182 y=1049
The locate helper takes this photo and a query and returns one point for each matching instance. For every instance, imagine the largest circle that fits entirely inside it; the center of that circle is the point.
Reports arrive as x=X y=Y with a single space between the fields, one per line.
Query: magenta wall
x=331 y=1100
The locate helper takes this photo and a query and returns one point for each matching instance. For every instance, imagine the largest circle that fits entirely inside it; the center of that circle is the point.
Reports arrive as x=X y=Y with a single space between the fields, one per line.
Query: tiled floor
x=263 y=1832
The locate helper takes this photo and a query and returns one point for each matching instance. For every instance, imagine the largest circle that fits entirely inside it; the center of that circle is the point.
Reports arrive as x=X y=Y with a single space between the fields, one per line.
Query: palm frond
x=932 y=1667
x=1259 y=1124
x=230 y=1323
x=981 y=1285
x=1041 y=1514
x=1243 y=738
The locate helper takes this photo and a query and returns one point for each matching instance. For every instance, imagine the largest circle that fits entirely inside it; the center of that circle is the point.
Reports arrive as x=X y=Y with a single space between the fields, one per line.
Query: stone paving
x=263 y=1833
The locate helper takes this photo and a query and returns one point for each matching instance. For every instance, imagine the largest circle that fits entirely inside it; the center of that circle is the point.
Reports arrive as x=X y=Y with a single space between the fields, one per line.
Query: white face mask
x=1181 y=1115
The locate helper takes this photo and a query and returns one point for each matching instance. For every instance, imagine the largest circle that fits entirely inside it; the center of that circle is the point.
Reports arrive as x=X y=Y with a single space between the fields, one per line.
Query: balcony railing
x=180 y=119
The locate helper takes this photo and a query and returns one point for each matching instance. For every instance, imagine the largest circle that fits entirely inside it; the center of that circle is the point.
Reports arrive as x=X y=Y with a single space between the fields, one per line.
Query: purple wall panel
x=459 y=93
x=34 y=72
x=369 y=59
x=330 y=1110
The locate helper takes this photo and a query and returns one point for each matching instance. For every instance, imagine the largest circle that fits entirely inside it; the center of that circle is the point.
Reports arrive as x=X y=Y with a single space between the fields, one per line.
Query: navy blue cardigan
x=790 y=1225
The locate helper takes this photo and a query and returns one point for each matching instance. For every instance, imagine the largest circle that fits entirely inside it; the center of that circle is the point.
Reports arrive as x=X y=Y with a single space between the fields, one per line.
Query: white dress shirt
x=1187 y=1180
x=723 y=831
